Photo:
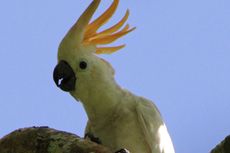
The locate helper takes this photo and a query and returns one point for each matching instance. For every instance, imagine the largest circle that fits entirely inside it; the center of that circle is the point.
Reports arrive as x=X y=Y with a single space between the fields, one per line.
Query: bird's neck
x=102 y=101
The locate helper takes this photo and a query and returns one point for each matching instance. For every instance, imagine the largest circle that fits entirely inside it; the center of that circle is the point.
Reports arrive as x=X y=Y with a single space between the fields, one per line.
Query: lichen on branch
x=47 y=140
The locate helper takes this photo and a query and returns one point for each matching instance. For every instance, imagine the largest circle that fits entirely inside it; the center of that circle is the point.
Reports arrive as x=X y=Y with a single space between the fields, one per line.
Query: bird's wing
x=154 y=130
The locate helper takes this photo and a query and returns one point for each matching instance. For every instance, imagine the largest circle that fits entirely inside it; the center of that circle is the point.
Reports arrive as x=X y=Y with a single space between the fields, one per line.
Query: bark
x=223 y=147
x=47 y=140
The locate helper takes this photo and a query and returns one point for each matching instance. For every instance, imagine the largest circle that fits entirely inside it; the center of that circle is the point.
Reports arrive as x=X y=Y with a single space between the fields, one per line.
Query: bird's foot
x=122 y=151
x=92 y=138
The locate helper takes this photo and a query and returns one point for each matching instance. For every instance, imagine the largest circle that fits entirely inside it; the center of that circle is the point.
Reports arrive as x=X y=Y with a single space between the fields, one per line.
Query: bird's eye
x=83 y=65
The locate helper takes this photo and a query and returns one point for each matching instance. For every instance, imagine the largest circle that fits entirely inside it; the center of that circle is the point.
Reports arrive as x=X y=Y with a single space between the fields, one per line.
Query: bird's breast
x=123 y=132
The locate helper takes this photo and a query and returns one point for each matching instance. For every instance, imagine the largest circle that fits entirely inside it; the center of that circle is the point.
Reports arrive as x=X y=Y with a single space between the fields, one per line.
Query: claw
x=92 y=138
x=122 y=151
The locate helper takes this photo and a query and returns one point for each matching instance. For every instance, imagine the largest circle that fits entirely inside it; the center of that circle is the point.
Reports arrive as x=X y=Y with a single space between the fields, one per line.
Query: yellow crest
x=86 y=34
x=109 y=35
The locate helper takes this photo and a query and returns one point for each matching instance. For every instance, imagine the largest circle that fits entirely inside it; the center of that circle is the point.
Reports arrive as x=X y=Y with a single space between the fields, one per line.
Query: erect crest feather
x=84 y=33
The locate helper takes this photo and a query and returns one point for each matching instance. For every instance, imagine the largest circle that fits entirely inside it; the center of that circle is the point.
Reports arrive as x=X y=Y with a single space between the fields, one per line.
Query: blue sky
x=178 y=57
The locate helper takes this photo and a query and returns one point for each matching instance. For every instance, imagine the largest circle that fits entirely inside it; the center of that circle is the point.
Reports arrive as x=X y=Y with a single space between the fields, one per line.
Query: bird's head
x=79 y=69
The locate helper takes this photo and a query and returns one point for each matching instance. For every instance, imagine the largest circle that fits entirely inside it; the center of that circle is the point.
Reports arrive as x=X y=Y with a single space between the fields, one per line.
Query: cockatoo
x=119 y=119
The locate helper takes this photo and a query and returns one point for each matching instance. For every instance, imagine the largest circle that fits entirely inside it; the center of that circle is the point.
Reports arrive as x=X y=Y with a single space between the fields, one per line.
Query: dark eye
x=83 y=65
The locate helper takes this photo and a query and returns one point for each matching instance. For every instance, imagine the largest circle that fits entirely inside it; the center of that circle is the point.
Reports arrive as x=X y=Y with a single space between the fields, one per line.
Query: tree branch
x=222 y=147
x=47 y=140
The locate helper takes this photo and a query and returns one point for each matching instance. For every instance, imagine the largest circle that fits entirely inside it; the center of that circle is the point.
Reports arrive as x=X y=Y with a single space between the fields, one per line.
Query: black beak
x=64 y=76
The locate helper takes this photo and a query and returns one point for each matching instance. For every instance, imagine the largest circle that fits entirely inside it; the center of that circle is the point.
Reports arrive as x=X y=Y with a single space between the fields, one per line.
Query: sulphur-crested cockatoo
x=117 y=117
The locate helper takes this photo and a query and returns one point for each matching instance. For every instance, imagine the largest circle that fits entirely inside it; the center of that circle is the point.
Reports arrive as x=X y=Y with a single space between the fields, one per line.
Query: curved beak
x=64 y=76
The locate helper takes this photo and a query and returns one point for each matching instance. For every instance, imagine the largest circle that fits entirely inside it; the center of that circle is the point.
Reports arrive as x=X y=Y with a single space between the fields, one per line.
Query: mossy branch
x=47 y=140
x=223 y=147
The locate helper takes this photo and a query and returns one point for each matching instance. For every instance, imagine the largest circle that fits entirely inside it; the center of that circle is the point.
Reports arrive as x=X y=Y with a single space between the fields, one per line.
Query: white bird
x=117 y=117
